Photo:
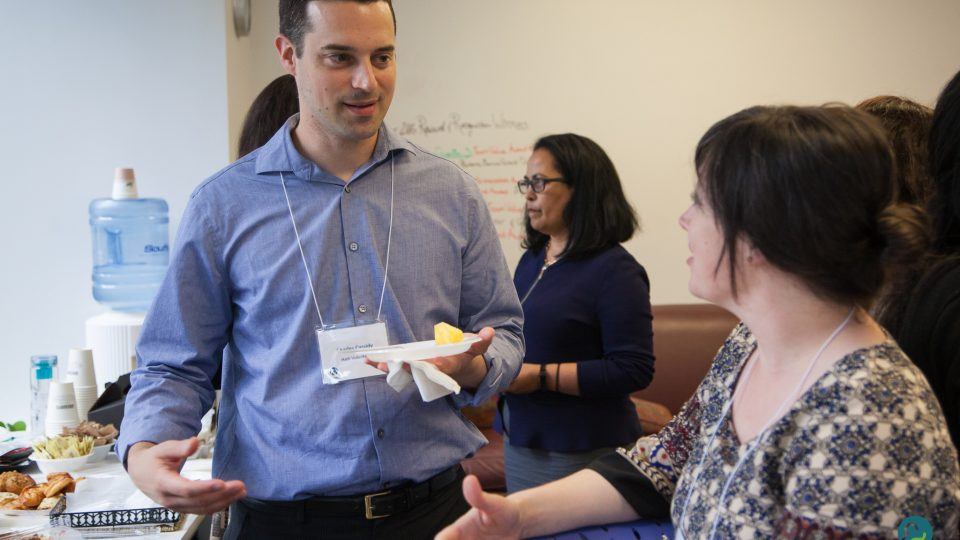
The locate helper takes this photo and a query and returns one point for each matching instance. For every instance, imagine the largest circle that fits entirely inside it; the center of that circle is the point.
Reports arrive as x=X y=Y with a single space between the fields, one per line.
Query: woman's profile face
x=705 y=241
x=545 y=209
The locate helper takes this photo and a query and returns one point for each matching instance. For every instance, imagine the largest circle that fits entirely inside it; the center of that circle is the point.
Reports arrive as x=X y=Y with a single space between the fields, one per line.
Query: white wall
x=646 y=78
x=252 y=62
x=85 y=87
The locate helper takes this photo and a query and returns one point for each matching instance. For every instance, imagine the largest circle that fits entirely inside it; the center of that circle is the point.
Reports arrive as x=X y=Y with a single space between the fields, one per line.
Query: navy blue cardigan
x=595 y=312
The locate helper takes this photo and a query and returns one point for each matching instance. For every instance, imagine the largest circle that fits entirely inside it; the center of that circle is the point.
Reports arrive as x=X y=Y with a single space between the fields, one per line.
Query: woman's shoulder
x=876 y=382
x=877 y=397
x=738 y=344
x=869 y=422
x=616 y=261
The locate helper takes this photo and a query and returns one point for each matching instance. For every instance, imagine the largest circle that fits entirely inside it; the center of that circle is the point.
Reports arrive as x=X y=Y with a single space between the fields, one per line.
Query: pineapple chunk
x=443 y=333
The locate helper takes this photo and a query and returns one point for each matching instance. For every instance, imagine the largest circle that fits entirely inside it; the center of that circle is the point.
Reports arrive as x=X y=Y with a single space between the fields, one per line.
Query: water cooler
x=130 y=257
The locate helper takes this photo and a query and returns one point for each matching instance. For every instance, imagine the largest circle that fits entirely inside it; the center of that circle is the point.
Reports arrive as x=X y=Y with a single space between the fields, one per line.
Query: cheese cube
x=443 y=333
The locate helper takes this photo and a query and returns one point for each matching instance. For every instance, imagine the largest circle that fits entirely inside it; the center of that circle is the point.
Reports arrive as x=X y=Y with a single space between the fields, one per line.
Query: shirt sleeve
x=626 y=327
x=488 y=298
x=656 y=460
x=181 y=343
x=638 y=490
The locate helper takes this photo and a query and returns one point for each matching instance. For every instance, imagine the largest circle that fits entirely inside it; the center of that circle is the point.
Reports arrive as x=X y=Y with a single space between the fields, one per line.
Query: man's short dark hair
x=294 y=22
x=598 y=215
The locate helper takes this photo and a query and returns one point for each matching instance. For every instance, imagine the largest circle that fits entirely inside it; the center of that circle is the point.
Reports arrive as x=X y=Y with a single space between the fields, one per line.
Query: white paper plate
x=420 y=350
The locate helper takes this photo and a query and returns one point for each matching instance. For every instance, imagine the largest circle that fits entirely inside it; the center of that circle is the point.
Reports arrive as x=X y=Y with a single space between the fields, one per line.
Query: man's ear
x=287 y=53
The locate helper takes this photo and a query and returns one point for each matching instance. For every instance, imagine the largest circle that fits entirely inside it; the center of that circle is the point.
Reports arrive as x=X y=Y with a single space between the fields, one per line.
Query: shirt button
x=347 y=189
x=354 y=246
x=362 y=308
x=380 y=433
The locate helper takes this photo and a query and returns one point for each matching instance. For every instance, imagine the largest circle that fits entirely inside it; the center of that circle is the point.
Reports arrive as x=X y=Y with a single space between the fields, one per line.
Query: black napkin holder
x=108 y=409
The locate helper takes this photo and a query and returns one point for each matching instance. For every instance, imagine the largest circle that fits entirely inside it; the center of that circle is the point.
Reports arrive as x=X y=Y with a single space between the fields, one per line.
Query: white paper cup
x=61 y=392
x=85 y=392
x=86 y=397
x=61 y=408
x=80 y=368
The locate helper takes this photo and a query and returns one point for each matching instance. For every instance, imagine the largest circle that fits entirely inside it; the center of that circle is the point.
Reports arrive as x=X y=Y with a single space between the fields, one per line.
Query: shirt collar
x=280 y=154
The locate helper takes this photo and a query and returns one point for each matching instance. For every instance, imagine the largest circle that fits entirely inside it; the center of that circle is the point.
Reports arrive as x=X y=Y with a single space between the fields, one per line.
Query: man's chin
x=363 y=130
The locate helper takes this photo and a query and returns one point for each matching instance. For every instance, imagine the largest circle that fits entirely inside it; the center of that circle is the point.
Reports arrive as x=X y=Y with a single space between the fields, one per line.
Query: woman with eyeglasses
x=587 y=322
x=811 y=422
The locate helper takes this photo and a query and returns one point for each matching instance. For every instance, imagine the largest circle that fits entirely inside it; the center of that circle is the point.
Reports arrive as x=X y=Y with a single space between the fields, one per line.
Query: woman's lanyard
x=759 y=439
x=386 y=265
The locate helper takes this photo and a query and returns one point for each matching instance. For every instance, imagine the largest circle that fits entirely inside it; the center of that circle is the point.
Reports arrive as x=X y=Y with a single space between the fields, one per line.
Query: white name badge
x=342 y=355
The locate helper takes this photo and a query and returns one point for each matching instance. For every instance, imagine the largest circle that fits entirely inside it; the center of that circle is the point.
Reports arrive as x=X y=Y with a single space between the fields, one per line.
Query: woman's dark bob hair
x=598 y=215
x=811 y=188
x=270 y=109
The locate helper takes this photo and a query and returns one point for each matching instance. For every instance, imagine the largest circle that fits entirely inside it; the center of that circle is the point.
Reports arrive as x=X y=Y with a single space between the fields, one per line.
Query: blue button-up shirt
x=237 y=289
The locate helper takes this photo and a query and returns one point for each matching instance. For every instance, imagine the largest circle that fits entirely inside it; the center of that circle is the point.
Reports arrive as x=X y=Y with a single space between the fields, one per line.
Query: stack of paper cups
x=81 y=373
x=61 y=408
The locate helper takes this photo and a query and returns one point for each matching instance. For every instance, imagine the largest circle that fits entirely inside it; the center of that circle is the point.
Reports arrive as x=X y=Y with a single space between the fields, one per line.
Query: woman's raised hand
x=492 y=516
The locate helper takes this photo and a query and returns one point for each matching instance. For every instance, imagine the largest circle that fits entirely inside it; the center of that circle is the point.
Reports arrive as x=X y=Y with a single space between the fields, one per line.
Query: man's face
x=347 y=71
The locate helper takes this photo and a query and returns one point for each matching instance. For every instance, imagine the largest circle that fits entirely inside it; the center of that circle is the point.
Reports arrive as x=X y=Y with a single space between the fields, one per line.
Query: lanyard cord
x=386 y=264
x=759 y=439
x=303 y=257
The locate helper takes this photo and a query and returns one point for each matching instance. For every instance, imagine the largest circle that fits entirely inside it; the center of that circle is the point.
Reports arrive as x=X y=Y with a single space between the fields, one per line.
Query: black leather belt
x=370 y=506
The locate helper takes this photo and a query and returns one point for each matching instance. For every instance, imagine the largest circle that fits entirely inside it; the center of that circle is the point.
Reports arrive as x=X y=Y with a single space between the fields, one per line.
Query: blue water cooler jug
x=130 y=246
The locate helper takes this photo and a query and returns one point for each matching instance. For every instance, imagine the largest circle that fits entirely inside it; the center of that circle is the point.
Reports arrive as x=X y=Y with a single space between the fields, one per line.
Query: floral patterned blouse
x=862 y=449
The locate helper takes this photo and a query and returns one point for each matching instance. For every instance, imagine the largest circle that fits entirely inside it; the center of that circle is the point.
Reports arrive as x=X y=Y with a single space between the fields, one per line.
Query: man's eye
x=382 y=60
x=339 y=58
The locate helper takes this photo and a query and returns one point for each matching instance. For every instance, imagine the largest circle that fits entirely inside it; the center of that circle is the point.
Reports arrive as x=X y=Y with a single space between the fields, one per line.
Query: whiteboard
x=479 y=82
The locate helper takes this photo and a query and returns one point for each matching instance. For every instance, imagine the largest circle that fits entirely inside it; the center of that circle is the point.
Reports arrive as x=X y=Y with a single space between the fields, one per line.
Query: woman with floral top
x=811 y=421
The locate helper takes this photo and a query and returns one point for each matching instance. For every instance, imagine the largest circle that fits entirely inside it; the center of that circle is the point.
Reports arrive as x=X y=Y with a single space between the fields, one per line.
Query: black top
x=930 y=335
x=595 y=312
x=633 y=486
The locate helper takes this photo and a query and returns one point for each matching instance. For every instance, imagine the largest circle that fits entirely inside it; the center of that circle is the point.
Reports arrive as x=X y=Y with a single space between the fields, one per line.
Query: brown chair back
x=686 y=337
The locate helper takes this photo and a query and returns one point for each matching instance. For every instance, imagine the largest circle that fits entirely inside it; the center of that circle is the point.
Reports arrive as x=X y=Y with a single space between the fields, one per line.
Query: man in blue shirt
x=335 y=221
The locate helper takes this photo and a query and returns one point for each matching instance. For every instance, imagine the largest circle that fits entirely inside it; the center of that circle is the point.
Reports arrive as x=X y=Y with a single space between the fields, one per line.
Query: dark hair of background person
x=811 y=188
x=908 y=124
x=598 y=215
x=270 y=109
x=294 y=22
x=943 y=208
x=945 y=167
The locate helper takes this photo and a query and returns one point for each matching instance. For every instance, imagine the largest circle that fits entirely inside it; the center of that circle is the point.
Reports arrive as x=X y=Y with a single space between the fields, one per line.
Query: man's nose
x=364 y=77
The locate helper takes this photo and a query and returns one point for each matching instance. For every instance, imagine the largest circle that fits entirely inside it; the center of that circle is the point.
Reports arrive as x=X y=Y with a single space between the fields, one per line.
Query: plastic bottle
x=43 y=370
x=130 y=246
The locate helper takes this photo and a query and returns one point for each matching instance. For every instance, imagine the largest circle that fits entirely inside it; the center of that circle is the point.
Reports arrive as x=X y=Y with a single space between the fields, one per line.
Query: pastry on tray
x=33 y=496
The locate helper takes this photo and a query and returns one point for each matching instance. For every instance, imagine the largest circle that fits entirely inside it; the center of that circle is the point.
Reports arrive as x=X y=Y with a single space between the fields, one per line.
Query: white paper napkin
x=431 y=382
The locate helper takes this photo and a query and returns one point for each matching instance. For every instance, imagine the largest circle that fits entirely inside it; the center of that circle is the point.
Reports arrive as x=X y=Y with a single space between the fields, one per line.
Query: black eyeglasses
x=536 y=184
